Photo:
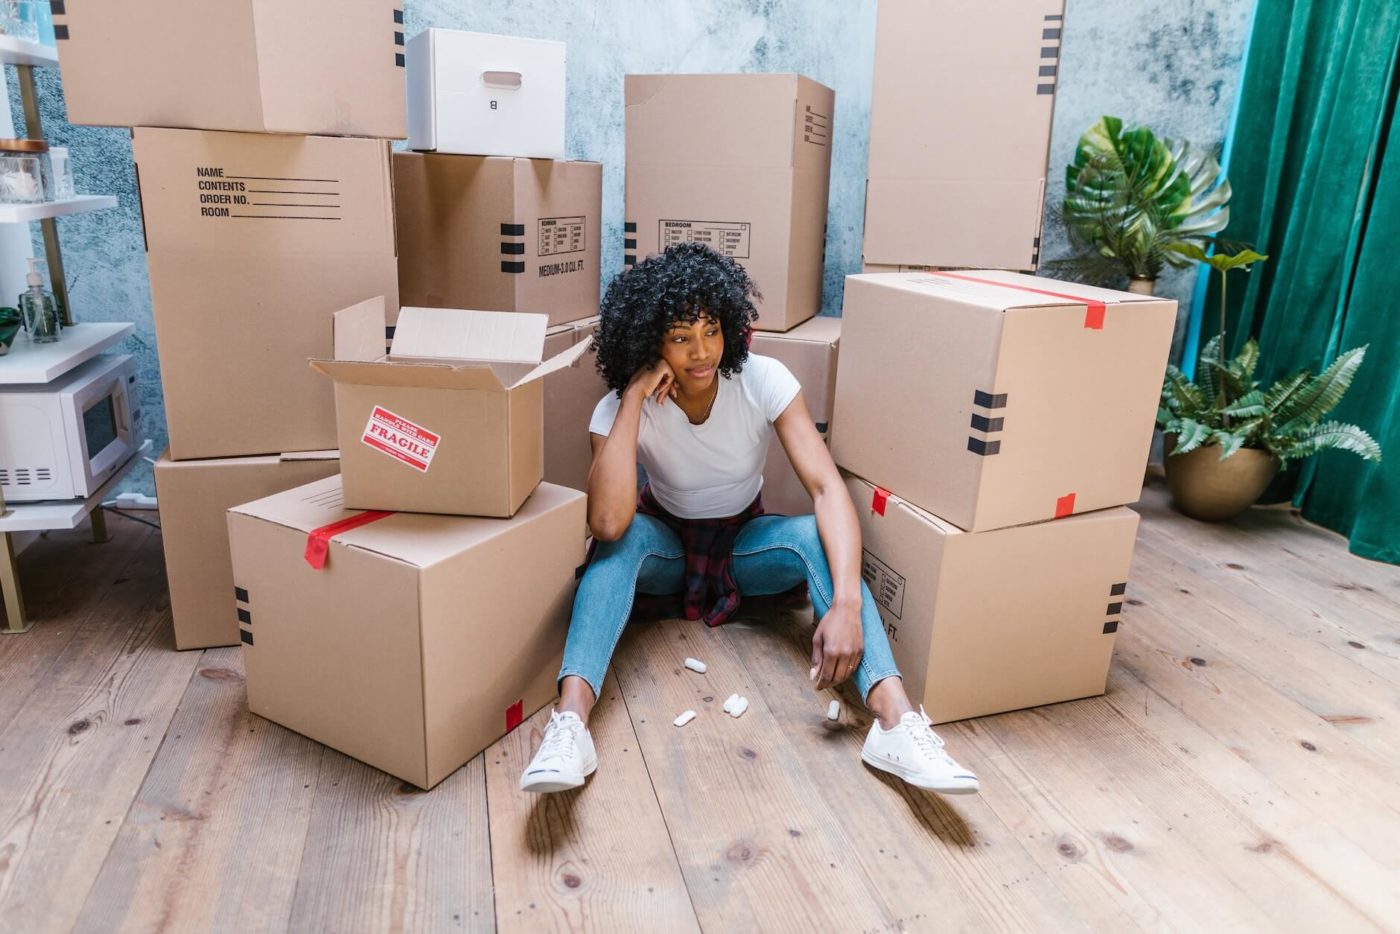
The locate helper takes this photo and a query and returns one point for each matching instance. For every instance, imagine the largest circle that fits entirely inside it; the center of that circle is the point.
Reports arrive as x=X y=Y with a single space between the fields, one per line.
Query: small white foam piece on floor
x=833 y=710
x=736 y=705
x=694 y=664
x=684 y=718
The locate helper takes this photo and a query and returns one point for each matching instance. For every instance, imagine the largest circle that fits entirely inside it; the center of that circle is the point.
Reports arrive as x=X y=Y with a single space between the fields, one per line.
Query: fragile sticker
x=401 y=439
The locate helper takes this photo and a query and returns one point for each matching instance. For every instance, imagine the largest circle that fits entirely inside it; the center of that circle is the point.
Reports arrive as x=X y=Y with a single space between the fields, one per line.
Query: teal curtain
x=1316 y=178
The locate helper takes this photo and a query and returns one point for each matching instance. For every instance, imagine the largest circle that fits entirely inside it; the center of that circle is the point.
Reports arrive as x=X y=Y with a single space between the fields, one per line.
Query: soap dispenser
x=37 y=308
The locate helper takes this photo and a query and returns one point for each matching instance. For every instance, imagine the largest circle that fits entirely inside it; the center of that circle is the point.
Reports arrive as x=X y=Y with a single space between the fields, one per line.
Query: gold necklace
x=710 y=407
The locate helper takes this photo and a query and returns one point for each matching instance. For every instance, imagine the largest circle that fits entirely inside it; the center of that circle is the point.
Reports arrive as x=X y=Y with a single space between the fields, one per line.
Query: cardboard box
x=994 y=399
x=452 y=421
x=960 y=131
x=741 y=162
x=333 y=67
x=570 y=395
x=253 y=243
x=486 y=95
x=986 y=622
x=499 y=234
x=809 y=351
x=194 y=495
x=420 y=640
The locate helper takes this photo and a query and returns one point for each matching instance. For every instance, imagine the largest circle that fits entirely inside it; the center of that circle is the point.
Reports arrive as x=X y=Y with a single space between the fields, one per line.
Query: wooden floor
x=1243 y=772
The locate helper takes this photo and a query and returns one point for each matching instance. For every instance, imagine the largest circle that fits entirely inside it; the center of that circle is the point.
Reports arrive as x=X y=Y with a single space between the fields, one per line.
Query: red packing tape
x=1094 y=310
x=878 y=501
x=1064 y=506
x=514 y=714
x=318 y=541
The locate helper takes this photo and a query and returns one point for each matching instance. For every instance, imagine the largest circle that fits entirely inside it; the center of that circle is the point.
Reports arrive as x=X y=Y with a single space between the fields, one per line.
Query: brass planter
x=1210 y=489
x=1141 y=286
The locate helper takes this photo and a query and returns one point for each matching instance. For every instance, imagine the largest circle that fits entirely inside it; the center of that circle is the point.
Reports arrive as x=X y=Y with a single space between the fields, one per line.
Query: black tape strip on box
x=988 y=401
x=240 y=594
x=246 y=636
x=512 y=230
x=1110 y=627
x=244 y=616
x=983 y=448
x=983 y=423
x=513 y=249
x=512 y=267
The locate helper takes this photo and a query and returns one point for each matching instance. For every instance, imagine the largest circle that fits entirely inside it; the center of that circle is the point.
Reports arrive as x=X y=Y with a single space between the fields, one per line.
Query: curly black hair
x=681 y=284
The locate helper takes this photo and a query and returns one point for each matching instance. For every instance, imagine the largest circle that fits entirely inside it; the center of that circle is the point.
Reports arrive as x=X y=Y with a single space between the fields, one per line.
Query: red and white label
x=400 y=438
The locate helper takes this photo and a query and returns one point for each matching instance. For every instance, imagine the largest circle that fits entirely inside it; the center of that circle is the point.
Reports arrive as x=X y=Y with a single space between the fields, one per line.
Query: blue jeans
x=771 y=554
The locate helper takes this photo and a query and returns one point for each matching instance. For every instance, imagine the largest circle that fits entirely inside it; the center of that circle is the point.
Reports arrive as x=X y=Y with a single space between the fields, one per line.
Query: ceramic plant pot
x=1142 y=286
x=1210 y=489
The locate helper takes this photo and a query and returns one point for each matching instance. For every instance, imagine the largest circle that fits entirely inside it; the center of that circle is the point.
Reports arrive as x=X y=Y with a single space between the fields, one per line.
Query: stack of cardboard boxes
x=743 y=164
x=266 y=198
x=991 y=425
x=491 y=216
x=414 y=609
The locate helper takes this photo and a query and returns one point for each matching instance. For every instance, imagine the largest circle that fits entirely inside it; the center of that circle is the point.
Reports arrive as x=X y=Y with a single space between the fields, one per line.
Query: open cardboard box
x=452 y=420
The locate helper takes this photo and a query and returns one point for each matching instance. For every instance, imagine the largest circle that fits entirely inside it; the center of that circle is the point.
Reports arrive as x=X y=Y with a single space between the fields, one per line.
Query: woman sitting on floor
x=698 y=411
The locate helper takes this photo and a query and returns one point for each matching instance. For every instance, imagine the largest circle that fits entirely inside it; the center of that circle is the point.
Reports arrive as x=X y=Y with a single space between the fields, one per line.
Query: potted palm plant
x=1227 y=436
x=1132 y=199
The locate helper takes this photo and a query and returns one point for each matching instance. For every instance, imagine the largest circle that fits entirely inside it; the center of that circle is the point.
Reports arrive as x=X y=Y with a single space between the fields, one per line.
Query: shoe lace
x=558 y=736
x=927 y=740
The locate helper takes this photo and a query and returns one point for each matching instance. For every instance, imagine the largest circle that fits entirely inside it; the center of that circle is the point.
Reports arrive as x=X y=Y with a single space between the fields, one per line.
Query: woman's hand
x=837 y=646
x=657 y=380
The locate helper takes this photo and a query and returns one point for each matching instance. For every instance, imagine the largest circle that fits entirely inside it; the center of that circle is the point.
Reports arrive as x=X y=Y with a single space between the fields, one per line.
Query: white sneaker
x=565 y=757
x=915 y=753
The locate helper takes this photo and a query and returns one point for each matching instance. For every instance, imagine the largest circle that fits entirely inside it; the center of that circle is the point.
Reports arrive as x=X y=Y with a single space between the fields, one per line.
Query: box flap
x=557 y=362
x=358 y=331
x=419 y=375
x=1001 y=291
x=450 y=335
x=418 y=539
x=823 y=329
x=331 y=455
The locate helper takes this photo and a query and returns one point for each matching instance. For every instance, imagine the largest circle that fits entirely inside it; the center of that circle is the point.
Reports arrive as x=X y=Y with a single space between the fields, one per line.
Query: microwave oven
x=65 y=438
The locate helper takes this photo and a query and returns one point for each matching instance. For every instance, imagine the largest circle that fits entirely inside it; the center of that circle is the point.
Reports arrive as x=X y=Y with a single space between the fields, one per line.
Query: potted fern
x=1227 y=436
x=1132 y=199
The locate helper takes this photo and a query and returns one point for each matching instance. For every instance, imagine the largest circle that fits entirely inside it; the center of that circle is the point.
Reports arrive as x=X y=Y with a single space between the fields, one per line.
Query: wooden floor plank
x=1292 y=826
x=758 y=847
x=381 y=855
x=76 y=752
x=1290 y=745
x=946 y=863
x=596 y=859
x=1331 y=692
x=66 y=576
x=214 y=837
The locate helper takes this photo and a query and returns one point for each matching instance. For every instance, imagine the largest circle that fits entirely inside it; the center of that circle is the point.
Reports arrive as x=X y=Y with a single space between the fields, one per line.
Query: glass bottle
x=38 y=309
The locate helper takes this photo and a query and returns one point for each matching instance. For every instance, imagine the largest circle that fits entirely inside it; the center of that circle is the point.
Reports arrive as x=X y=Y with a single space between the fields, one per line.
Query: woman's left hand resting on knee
x=837 y=644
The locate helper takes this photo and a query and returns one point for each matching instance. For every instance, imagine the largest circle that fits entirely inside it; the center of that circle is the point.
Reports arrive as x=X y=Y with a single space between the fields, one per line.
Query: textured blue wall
x=1173 y=64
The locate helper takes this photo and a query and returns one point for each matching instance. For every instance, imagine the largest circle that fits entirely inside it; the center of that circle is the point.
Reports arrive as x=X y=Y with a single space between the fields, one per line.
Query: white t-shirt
x=715 y=469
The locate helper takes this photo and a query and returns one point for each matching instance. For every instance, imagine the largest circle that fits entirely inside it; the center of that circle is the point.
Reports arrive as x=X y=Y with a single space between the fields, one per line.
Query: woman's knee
x=643 y=536
x=805 y=536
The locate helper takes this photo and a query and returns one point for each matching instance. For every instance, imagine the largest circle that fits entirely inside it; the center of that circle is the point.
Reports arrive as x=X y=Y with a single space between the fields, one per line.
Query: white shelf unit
x=23 y=52
x=43 y=210
x=40 y=363
x=30 y=364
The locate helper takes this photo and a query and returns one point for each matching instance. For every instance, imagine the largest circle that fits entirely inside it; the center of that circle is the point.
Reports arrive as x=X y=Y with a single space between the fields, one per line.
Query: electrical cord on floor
x=126 y=515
